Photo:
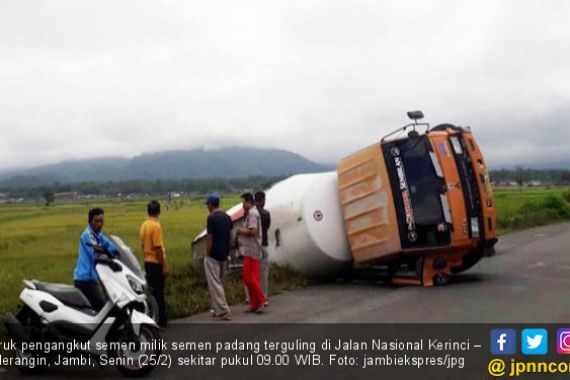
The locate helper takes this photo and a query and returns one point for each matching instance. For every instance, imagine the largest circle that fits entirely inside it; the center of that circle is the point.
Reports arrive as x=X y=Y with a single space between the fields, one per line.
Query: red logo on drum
x=318 y=215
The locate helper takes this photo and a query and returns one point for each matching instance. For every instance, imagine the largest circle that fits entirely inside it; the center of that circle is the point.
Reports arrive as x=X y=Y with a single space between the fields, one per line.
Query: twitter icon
x=534 y=341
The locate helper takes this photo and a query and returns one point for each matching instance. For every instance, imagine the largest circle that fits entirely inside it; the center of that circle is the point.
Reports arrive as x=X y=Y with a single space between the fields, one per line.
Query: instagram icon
x=563 y=341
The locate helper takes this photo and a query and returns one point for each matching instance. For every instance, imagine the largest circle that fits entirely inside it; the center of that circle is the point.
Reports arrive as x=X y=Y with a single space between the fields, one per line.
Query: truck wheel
x=443 y=127
x=469 y=260
x=490 y=251
x=441 y=279
x=347 y=275
x=393 y=268
x=137 y=362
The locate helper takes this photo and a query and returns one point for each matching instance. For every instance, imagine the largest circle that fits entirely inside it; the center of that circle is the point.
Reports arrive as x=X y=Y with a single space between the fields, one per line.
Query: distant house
x=534 y=183
x=67 y=195
x=87 y=196
x=507 y=183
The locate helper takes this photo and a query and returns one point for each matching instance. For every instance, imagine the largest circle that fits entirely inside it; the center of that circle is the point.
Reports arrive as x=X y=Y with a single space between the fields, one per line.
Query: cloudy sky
x=83 y=79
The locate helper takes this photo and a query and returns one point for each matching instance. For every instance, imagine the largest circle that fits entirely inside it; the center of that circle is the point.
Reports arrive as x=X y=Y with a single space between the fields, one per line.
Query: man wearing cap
x=219 y=227
x=249 y=240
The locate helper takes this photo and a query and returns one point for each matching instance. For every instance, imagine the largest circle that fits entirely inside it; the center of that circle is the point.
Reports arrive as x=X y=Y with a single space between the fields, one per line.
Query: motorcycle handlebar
x=107 y=259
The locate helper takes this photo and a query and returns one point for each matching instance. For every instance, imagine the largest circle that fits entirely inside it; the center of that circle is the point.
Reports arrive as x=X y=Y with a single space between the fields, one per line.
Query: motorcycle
x=120 y=333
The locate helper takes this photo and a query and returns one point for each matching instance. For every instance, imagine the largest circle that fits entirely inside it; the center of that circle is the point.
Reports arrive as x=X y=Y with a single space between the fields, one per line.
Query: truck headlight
x=135 y=284
x=475 y=228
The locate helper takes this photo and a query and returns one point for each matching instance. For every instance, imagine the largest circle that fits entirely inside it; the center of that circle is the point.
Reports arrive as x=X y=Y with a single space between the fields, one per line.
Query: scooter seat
x=67 y=294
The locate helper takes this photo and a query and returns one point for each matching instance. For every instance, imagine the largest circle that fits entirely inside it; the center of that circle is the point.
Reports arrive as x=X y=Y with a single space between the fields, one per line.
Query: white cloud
x=322 y=78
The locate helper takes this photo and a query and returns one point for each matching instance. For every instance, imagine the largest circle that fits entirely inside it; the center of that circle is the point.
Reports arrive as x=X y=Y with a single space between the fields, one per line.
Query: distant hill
x=198 y=163
x=562 y=164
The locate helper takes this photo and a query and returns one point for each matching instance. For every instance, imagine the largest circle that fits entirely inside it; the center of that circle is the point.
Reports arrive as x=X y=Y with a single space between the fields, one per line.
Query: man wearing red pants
x=249 y=241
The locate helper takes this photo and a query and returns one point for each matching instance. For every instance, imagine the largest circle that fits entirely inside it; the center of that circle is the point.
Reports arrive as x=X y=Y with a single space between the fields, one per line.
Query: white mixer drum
x=307 y=230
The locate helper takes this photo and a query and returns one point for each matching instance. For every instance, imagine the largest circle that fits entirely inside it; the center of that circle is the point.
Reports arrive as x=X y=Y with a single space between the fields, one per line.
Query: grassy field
x=509 y=200
x=532 y=207
x=41 y=242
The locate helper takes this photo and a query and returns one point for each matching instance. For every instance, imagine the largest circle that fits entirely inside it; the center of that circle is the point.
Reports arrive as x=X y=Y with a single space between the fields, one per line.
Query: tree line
x=521 y=174
x=518 y=174
x=142 y=187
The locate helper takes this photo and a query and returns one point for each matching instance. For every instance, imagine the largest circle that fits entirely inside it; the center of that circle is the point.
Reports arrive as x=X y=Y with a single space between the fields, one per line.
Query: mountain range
x=233 y=162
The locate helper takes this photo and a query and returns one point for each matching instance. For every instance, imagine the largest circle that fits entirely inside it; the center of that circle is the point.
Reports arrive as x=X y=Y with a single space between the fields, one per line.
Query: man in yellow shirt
x=155 y=257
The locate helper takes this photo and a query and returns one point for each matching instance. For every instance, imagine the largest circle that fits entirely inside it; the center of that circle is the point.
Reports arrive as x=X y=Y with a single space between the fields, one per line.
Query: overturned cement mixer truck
x=418 y=204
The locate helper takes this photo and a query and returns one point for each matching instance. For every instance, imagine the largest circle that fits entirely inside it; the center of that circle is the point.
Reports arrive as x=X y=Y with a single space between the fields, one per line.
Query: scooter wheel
x=139 y=365
x=27 y=370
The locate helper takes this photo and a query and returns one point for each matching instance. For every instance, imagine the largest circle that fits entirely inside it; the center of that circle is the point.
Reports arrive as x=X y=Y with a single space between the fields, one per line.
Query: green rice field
x=41 y=242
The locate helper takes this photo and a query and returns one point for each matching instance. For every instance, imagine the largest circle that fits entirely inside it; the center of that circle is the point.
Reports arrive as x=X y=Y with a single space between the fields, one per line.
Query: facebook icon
x=503 y=341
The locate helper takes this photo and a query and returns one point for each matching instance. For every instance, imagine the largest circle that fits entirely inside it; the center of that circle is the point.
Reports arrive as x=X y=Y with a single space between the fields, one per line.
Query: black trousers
x=92 y=290
x=155 y=280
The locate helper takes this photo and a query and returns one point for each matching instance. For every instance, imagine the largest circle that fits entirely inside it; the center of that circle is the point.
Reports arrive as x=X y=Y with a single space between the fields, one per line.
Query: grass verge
x=537 y=212
x=187 y=290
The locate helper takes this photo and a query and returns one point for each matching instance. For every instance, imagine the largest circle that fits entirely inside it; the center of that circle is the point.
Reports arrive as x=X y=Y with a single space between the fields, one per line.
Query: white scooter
x=120 y=333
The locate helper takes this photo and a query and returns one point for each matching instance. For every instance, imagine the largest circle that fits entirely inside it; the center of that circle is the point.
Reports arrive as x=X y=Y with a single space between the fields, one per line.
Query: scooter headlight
x=136 y=285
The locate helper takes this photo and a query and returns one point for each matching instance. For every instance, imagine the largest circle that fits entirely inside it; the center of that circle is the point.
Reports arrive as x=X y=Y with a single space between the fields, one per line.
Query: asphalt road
x=527 y=281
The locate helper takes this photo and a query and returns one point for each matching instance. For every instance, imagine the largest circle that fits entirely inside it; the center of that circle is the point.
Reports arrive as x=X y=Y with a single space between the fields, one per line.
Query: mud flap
x=138 y=319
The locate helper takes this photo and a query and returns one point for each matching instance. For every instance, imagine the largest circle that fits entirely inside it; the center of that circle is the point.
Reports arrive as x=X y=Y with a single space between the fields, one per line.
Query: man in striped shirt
x=250 y=242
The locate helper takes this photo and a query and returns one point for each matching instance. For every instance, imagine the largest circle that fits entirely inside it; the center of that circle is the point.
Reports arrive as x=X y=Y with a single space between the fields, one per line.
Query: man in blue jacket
x=92 y=242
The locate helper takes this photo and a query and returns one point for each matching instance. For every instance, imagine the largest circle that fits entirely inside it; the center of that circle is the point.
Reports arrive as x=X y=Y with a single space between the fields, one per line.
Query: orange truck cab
x=421 y=203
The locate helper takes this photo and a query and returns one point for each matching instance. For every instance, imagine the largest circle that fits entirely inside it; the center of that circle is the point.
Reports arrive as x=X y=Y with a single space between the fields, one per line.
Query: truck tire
x=469 y=260
x=443 y=127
